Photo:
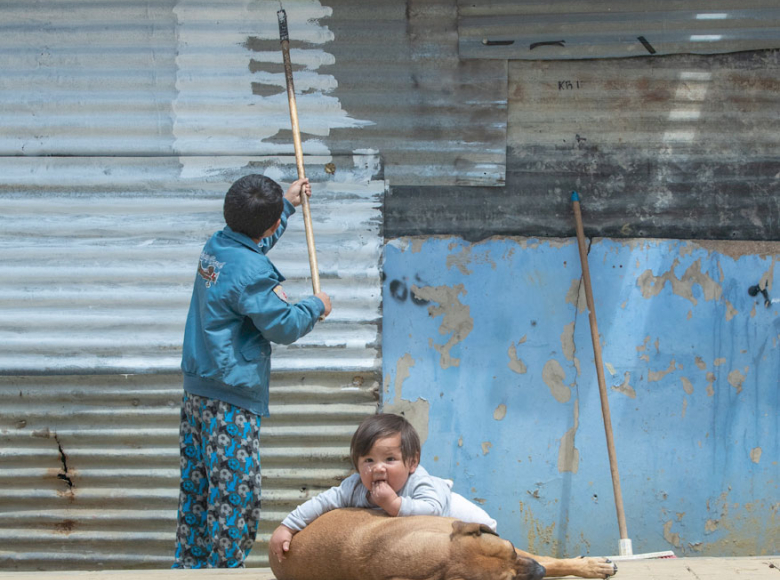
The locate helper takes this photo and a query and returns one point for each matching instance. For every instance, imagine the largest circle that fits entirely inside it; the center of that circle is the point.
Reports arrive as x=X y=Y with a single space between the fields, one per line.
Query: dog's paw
x=596 y=567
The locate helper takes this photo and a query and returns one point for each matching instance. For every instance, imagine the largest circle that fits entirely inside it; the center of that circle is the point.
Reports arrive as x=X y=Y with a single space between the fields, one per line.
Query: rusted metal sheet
x=672 y=147
x=505 y=29
x=101 y=255
x=186 y=78
x=89 y=466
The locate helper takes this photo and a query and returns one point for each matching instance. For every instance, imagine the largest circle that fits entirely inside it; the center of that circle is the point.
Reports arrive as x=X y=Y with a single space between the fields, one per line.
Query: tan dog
x=360 y=544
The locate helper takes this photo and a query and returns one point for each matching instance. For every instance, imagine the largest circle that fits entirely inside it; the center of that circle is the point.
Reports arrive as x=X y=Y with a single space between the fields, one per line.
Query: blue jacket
x=238 y=308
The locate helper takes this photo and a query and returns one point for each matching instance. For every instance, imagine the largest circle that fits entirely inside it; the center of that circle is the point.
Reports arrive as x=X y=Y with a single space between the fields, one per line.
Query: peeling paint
x=402 y=373
x=643 y=348
x=568 y=454
x=768 y=276
x=711 y=378
x=553 y=376
x=416 y=412
x=733 y=518
x=515 y=363
x=653 y=376
x=672 y=538
x=460 y=261
x=576 y=295
x=651 y=285
x=731 y=312
x=544 y=535
x=736 y=379
x=717 y=440
x=624 y=387
x=457 y=319
x=567 y=341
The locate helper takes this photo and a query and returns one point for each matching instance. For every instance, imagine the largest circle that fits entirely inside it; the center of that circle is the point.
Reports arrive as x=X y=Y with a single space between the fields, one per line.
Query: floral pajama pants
x=219 y=497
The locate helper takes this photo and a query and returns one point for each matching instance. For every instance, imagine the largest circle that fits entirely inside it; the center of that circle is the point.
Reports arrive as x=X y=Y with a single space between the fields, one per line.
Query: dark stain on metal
x=65 y=527
x=21 y=424
x=398 y=290
x=259 y=66
x=42 y=433
x=64 y=475
x=255 y=44
x=531 y=205
x=561 y=43
x=264 y=90
x=754 y=290
x=646 y=44
x=487 y=42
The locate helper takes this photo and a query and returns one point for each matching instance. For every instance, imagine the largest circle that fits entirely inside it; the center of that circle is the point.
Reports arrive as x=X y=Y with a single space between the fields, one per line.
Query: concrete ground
x=753 y=568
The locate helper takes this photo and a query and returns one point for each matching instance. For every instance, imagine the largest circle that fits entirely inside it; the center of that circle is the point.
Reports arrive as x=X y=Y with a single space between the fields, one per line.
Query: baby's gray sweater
x=422 y=495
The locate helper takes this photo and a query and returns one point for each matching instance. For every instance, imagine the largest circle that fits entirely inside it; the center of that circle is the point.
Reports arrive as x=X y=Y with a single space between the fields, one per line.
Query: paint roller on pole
x=296 y=132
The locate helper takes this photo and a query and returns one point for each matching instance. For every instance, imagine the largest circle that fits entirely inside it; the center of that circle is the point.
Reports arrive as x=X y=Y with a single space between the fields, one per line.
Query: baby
x=385 y=451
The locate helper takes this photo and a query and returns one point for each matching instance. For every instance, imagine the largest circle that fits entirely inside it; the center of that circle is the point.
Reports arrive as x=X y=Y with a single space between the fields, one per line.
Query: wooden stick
x=594 y=335
x=296 y=131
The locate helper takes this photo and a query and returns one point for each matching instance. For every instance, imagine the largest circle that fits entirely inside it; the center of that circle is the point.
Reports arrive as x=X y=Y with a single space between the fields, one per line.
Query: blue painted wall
x=487 y=348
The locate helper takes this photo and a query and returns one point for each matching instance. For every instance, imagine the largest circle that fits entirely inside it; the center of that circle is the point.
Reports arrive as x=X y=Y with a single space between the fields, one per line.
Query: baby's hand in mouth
x=381 y=491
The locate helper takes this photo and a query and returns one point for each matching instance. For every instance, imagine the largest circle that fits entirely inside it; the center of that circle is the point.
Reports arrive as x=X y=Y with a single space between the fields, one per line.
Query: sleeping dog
x=360 y=544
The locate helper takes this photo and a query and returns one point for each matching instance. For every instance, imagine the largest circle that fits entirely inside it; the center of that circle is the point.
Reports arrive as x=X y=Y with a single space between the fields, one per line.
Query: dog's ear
x=460 y=528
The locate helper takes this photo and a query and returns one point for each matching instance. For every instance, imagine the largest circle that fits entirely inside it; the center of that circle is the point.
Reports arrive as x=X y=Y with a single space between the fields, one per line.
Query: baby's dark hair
x=253 y=204
x=380 y=426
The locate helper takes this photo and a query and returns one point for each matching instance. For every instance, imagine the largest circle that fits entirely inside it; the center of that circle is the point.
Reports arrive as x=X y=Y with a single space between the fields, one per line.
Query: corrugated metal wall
x=124 y=124
x=126 y=77
x=506 y=29
x=678 y=146
x=100 y=258
x=438 y=119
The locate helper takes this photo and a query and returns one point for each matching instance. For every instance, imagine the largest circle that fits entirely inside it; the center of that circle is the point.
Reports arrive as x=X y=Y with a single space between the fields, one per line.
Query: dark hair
x=380 y=426
x=253 y=204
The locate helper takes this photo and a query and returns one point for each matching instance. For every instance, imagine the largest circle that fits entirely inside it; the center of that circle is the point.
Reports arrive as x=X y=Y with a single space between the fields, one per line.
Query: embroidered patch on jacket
x=279 y=291
x=209 y=269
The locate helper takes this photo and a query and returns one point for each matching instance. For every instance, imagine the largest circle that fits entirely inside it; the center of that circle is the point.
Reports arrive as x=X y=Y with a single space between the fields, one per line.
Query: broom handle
x=296 y=132
x=594 y=335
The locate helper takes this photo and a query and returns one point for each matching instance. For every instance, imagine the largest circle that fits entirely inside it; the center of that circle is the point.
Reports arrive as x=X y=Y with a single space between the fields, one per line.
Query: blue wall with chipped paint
x=487 y=347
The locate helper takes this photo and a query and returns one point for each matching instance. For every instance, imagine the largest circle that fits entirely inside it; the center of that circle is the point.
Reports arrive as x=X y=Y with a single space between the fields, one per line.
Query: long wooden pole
x=625 y=542
x=296 y=131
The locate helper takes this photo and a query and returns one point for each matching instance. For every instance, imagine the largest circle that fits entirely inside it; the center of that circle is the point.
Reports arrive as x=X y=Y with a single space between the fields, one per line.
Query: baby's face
x=384 y=463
